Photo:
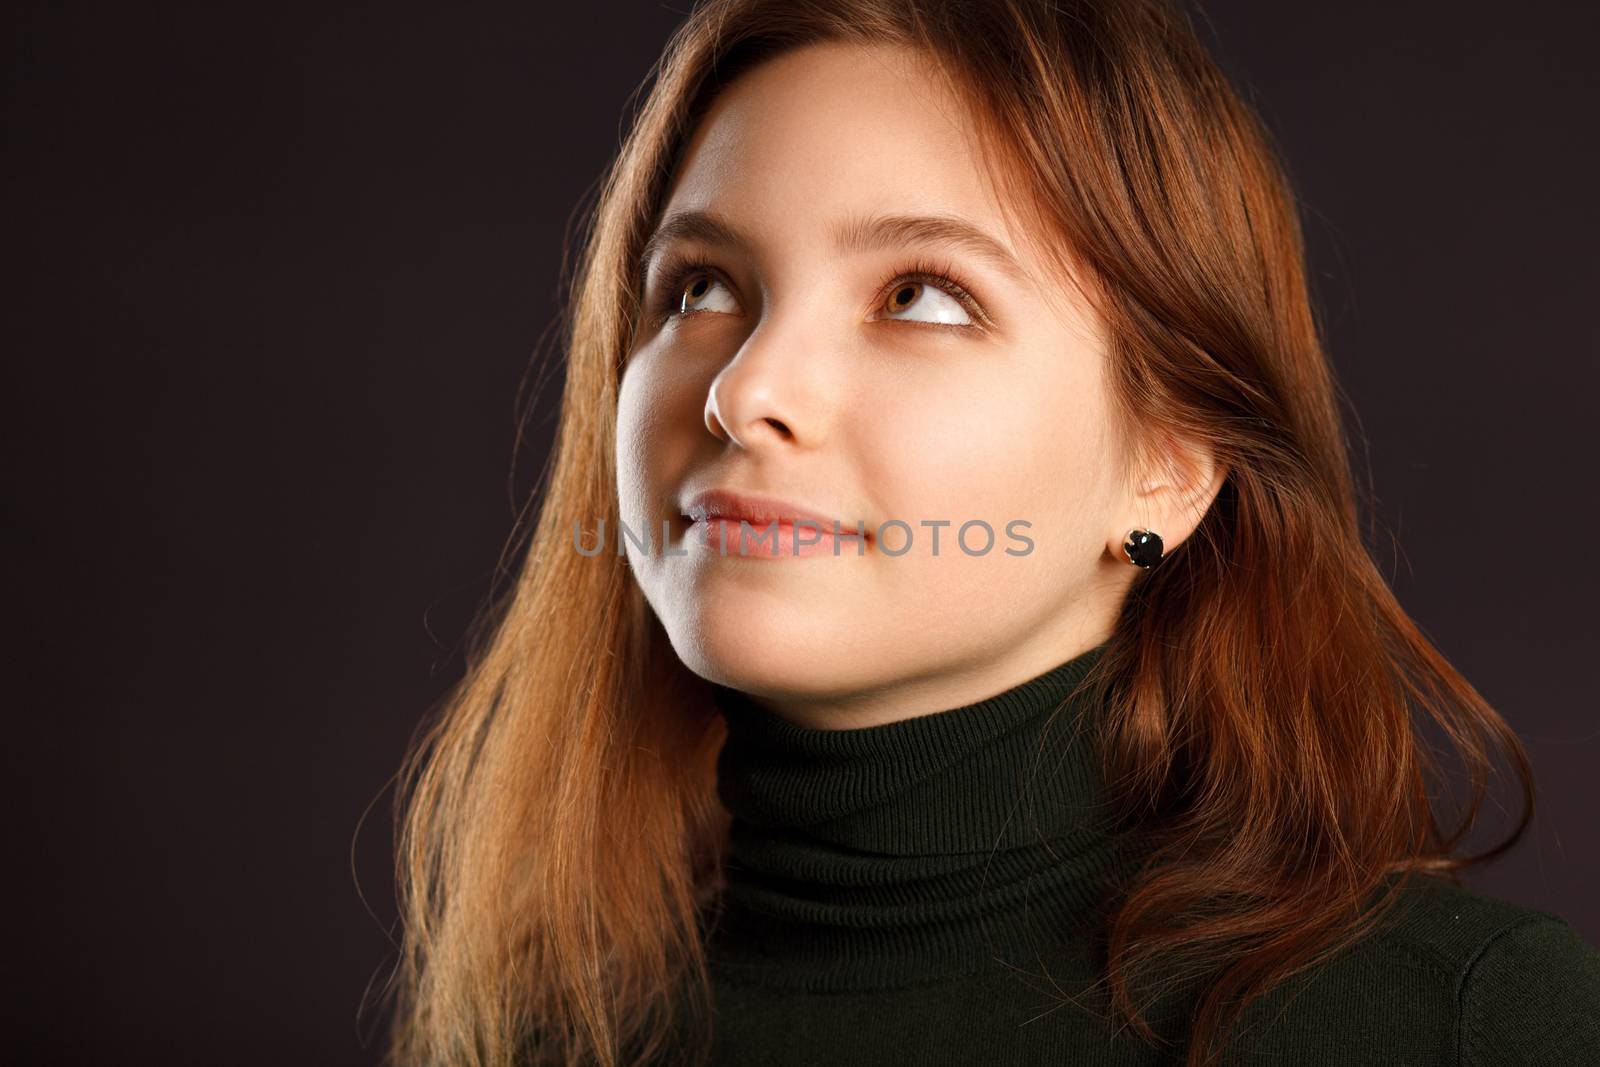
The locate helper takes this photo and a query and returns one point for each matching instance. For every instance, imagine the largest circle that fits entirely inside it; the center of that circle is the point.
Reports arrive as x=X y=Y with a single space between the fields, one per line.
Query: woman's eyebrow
x=852 y=234
x=863 y=234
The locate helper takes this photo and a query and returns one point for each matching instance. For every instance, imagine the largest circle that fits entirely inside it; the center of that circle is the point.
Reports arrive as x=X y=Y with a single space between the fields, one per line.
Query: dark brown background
x=278 y=271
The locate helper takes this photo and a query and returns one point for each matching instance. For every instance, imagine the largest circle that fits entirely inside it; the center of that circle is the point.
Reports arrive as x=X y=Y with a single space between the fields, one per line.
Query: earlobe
x=1175 y=489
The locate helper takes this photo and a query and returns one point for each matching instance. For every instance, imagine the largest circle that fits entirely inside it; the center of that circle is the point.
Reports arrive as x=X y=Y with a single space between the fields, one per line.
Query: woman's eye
x=932 y=303
x=696 y=295
x=921 y=295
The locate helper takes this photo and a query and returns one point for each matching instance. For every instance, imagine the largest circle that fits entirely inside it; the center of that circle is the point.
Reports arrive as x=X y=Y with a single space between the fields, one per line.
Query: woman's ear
x=1172 y=490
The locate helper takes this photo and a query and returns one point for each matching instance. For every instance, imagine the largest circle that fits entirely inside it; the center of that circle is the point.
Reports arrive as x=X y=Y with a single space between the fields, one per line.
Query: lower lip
x=763 y=542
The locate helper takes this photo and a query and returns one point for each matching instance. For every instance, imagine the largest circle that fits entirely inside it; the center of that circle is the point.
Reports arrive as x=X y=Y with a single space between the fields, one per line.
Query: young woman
x=947 y=637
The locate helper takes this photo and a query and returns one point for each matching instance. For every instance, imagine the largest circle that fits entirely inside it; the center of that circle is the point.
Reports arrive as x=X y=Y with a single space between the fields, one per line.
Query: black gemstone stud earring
x=1143 y=548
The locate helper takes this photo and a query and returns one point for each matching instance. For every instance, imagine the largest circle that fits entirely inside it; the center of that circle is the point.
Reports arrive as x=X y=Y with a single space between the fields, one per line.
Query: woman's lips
x=757 y=527
x=734 y=536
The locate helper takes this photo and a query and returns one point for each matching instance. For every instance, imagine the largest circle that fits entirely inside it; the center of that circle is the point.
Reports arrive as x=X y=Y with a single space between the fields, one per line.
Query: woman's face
x=823 y=356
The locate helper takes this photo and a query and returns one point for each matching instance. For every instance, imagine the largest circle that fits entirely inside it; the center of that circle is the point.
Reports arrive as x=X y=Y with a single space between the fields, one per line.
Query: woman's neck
x=894 y=853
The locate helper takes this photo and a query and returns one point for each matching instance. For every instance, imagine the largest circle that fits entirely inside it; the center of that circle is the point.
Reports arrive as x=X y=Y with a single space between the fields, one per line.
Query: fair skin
x=830 y=379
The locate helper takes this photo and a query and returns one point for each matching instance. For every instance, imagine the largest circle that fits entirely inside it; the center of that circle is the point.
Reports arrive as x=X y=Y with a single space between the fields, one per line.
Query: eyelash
x=677 y=268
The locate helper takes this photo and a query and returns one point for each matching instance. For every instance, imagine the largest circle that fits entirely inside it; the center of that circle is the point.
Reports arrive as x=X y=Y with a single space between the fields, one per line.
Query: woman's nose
x=771 y=394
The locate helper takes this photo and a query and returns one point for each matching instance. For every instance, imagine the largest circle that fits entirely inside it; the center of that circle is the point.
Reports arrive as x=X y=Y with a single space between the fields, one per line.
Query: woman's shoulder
x=1527 y=985
x=1459 y=929
x=1454 y=976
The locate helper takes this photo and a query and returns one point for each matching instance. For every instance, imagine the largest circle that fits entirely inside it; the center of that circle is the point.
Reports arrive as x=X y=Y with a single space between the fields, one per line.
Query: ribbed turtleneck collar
x=918 y=849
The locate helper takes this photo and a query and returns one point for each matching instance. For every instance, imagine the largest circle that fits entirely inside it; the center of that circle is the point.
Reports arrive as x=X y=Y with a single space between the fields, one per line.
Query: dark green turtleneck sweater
x=923 y=892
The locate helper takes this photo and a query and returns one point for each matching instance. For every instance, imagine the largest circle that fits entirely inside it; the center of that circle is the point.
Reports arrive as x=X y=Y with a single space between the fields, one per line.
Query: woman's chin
x=777 y=650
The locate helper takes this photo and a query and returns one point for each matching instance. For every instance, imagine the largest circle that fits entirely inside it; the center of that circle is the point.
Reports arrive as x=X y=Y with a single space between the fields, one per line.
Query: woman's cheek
x=943 y=444
x=659 y=415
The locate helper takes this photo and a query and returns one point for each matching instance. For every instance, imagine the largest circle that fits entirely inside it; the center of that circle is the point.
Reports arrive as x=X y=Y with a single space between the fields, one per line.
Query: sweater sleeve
x=1532 y=996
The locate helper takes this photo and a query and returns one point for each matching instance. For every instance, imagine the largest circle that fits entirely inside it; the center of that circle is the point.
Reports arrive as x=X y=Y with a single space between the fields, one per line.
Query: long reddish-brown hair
x=559 y=830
